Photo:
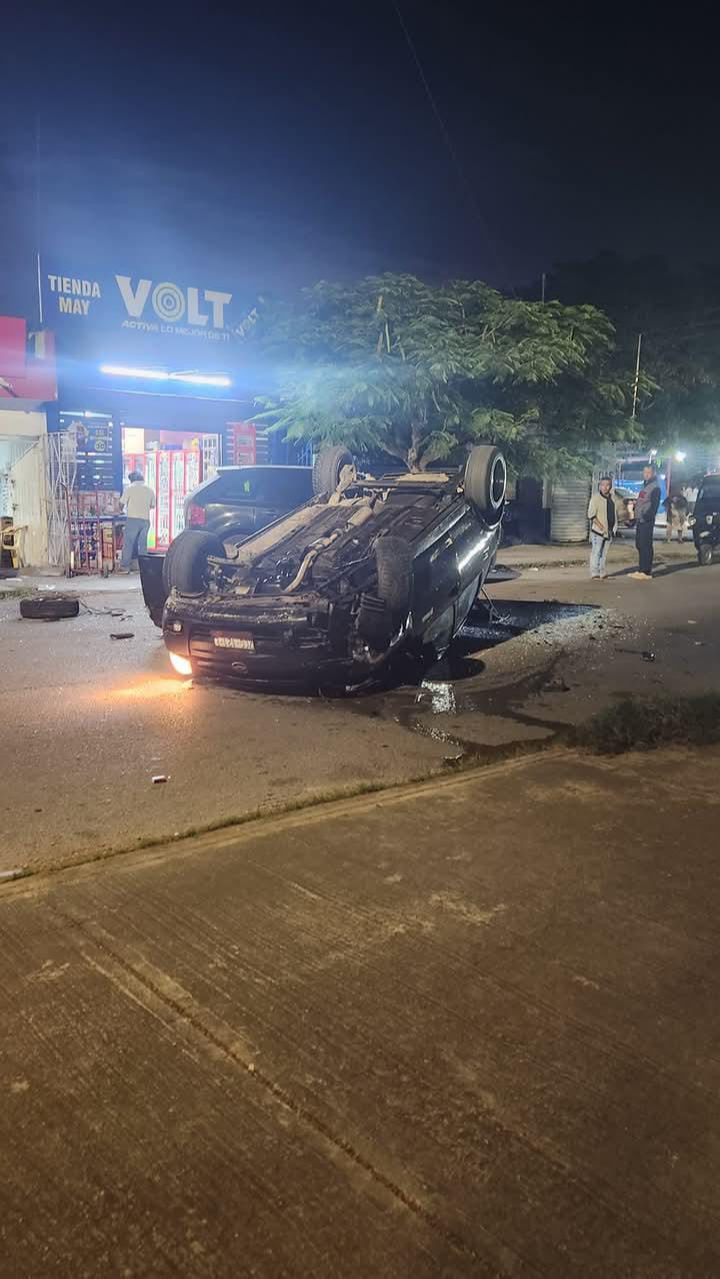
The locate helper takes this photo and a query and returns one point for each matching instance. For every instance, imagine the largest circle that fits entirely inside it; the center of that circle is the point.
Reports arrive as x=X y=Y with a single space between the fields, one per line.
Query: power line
x=447 y=138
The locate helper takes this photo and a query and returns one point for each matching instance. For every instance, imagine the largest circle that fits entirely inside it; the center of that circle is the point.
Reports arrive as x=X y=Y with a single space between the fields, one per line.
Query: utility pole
x=544 y=282
x=636 y=382
x=36 y=218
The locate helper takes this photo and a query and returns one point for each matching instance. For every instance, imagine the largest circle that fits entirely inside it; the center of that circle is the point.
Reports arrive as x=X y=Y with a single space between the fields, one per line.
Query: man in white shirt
x=138 y=500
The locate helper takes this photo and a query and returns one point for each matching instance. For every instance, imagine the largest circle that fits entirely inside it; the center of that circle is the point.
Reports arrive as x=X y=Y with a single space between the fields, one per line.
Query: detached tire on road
x=50 y=608
x=486 y=481
x=328 y=468
x=186 y=563
x=705 y=555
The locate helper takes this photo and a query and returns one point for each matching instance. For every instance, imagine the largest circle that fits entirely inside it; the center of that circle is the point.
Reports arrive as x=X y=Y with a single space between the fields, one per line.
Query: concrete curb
x=243 y=828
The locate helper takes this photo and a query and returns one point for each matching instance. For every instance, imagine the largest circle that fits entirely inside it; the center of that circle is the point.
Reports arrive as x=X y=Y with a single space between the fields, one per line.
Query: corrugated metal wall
x=568 y=510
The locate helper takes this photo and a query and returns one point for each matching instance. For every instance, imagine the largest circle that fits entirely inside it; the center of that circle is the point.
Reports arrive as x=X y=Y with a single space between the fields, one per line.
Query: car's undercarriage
x=330 y=590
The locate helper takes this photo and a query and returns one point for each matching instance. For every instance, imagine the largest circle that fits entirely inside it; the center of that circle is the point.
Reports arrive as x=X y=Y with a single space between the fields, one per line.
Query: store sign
x=173 y=305
x=143 y=305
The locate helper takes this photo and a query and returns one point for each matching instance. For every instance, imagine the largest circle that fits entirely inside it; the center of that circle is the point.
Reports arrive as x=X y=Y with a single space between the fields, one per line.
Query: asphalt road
x=88 y=721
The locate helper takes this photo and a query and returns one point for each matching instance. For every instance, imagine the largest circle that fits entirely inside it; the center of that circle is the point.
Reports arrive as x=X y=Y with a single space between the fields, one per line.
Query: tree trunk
x=413 y=455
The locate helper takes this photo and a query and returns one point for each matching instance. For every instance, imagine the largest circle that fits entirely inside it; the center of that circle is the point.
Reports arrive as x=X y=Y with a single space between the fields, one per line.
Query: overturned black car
x=325 y=594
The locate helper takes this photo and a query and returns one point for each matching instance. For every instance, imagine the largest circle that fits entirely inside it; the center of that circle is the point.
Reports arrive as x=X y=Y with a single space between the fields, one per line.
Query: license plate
x=245 y=642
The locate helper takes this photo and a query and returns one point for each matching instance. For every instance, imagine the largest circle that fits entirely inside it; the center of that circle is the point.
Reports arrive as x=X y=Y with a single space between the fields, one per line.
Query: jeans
x=599 y=547
x=644 y=542
x=134 y=540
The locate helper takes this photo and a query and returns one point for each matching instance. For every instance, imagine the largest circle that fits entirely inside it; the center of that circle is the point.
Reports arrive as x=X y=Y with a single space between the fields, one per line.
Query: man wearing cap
x=138 y=500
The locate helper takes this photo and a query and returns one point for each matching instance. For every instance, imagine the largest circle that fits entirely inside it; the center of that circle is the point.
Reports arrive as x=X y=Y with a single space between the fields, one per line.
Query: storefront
x=27 y=389
x=175 y=444
x=152 y=378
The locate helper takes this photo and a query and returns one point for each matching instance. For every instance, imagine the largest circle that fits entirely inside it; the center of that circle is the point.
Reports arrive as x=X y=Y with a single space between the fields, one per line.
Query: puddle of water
x=481 y=631
x=413 y=691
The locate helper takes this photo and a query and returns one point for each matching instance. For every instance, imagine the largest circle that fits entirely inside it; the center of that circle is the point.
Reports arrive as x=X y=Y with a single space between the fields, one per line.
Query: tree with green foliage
x=418 y=371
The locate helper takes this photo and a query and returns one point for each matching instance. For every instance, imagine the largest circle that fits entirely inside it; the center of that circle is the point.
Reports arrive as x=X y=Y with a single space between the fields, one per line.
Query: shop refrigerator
x=171 y=474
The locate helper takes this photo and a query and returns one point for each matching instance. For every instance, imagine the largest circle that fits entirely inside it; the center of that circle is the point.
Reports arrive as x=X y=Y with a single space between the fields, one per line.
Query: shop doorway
x=173 y=464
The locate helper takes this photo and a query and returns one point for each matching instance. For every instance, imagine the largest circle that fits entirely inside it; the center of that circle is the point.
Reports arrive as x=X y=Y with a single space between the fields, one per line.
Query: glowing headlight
x=181 y=664
x=691 y=521
x=708 y=519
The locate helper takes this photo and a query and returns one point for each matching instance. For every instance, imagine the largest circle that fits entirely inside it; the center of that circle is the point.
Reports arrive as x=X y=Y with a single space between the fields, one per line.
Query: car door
x=436 y=585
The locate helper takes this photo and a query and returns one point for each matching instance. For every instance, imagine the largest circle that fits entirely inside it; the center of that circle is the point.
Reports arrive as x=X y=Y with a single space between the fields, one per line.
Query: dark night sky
x=268 y=145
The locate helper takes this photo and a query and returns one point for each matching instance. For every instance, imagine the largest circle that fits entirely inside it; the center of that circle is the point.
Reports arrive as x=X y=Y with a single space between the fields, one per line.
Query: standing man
x=602 y=514
x=646 y=506
x=677 y=515
x=138 y=500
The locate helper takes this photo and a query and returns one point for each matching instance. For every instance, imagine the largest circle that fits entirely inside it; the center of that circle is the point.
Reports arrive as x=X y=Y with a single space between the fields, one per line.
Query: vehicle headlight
x=708 y=519
x=182 y=665
x=691 y=521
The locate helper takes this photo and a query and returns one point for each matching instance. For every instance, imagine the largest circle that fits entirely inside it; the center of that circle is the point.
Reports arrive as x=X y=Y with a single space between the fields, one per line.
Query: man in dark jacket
x=646 y=507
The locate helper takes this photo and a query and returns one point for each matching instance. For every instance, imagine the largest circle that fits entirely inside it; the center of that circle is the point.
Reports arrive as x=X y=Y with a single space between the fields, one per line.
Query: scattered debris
x=645 y=654
x=122 y=635
x=558 y=685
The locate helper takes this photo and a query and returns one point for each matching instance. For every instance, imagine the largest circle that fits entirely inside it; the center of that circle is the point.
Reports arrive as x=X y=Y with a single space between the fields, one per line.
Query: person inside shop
x=138 y=500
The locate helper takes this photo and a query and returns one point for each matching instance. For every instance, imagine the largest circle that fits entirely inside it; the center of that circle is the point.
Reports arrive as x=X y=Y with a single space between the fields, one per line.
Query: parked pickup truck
x=236 y=503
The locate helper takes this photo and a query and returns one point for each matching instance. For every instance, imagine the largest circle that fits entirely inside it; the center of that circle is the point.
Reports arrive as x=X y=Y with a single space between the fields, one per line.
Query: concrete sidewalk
x=92 y=584
x=552 y=554
x=467 y=1028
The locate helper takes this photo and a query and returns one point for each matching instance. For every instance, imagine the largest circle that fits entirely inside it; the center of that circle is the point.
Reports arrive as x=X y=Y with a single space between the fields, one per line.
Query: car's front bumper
x=258 y=644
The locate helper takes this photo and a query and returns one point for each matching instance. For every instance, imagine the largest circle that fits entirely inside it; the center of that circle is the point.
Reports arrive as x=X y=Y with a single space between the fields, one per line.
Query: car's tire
x=328 y=468
x=186 y=563
x=379 y=616
x=394 y=561
x=486 y=481
x=50 y=608
x=705 y=555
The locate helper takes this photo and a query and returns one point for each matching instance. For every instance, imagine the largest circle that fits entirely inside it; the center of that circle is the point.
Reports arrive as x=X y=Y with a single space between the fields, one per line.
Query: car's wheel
x=186 y=563
x=328 y=468
x=394 y=562
x=705 y=555
x=486 y=481
x=379 y=616
x=50 y=608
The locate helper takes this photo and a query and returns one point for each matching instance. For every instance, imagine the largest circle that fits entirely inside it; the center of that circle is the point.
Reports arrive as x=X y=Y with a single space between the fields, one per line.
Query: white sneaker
x=641 y=577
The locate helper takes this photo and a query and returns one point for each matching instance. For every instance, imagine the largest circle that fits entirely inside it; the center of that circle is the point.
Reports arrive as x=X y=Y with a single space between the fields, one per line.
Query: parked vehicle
x=326 y=593
x=705 y=520
x=235 y=503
